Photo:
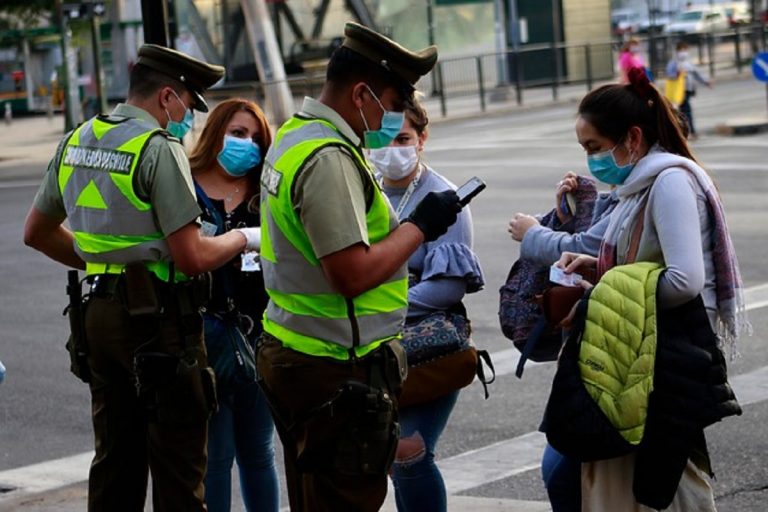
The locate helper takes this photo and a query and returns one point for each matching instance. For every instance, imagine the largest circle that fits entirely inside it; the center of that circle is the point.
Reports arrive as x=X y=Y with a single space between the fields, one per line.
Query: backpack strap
x=530 y=344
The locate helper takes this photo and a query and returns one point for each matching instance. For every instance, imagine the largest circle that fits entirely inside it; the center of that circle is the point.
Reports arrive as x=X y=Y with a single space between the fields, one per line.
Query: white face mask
x=394 y=162
x=682 y=55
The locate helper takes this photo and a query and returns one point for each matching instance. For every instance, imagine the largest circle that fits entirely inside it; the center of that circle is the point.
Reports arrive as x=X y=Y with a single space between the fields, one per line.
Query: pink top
x=627 y=61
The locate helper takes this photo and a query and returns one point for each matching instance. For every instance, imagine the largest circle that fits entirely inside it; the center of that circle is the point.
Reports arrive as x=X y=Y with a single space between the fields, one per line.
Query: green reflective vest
x=304 y=312
x=112 y=226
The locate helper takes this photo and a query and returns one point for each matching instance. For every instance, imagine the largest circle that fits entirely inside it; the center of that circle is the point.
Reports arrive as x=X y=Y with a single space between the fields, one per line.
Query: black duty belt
x=105 y=285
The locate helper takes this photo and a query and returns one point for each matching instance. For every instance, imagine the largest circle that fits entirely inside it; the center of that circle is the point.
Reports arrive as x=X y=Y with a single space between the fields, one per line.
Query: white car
x=700 y=19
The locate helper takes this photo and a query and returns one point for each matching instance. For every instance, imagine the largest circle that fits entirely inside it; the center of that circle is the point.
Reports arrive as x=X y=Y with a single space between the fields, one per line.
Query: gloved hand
x=435 y=213
x=252 y=238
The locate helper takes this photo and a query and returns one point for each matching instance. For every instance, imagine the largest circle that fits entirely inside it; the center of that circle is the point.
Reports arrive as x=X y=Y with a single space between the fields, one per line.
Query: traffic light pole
x=154 y=16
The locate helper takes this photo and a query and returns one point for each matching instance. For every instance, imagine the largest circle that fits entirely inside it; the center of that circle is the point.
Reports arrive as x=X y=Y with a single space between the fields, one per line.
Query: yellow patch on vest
x=90 y=197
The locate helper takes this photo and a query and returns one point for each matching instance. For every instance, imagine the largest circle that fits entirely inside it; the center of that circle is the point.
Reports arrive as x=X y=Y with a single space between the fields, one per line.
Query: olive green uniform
x=165 y=429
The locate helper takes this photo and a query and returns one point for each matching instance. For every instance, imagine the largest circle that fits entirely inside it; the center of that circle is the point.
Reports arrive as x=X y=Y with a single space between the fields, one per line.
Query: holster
x=76 y=343
x=172 y=390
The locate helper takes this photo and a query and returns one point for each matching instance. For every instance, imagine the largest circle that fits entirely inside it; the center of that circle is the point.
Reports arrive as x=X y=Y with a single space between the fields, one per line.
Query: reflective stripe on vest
x=304 y=311
x=112 y=226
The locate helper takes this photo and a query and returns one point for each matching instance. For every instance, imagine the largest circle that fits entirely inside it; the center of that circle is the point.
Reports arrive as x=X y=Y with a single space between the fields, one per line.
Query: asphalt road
x=44 y=410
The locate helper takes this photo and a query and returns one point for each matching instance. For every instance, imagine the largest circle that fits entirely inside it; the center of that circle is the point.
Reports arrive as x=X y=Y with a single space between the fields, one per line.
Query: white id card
x=249 y=262
x=557 y=275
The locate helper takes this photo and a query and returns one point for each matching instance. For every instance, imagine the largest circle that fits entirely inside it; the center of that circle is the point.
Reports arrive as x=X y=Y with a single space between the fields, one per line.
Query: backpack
x=520 y=312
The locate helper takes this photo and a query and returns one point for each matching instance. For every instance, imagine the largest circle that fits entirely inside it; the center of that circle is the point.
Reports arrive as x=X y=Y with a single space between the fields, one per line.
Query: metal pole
x=501 y=46
x=71 y=102
x=96 y=45
x=480 y=81
x=154 y=16
x=588 y=63
x=437 y=83
x=443 y=108
x=555 y=50
x=737 y=40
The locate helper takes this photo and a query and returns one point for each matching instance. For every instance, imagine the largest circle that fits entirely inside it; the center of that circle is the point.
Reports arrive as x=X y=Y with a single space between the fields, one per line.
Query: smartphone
x=558 y=275
x=568 y=204
x=469 y=190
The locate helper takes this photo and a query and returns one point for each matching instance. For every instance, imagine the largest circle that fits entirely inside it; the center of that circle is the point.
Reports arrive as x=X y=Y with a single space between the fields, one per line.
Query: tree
x=25 y=13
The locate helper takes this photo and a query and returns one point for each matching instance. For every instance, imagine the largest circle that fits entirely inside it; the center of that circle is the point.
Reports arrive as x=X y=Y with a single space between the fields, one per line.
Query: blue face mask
x=603 y=166
x=238 y=156
x=179 y=129
x=391 y=123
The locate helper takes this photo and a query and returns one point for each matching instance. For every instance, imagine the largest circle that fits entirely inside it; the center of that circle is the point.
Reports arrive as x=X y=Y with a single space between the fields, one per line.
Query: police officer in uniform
x=123 y=182
x=333 y=256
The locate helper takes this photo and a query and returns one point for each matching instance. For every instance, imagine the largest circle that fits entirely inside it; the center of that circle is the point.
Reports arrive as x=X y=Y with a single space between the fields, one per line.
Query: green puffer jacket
x=618 y=347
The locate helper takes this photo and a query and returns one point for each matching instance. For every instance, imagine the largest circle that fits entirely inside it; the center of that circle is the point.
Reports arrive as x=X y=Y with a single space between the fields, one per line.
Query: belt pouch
x=140 y=293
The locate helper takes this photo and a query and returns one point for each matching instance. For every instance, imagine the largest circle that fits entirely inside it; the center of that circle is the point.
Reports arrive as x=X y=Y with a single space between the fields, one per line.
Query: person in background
x=334 y=266
x=682 y=63
x=226 y=165
x=633 y=140
x=442 y=272
x=122 y=181
x=629 y=57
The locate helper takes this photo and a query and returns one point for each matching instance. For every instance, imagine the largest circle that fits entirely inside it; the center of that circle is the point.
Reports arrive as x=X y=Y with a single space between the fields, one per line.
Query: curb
x=747 y=126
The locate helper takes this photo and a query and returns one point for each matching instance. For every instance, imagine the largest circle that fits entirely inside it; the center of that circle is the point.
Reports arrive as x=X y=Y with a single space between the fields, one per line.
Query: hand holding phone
x=469 y=190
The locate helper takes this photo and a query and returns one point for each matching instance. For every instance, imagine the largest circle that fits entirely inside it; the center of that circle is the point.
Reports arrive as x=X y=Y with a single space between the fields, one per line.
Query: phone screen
x=470 y=189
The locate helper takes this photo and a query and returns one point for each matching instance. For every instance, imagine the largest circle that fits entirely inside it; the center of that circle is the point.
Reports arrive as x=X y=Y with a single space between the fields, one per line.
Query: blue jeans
x=418 y=483
x=562 y=478
x=243 y=429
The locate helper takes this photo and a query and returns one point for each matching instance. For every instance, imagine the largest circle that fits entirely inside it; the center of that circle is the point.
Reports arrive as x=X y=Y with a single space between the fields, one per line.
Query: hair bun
x=638 y=79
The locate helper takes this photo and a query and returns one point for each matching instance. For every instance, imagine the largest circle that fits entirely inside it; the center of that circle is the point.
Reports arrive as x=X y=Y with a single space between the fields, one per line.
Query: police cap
x=195 y=74
x=407 y=65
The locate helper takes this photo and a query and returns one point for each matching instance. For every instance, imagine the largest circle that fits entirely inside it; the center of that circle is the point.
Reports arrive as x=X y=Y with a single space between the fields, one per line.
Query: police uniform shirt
x=332 y=173
x=163 y=179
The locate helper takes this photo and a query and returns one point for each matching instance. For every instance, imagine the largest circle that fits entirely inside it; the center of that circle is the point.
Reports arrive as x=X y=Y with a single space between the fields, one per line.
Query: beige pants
x=606 y=486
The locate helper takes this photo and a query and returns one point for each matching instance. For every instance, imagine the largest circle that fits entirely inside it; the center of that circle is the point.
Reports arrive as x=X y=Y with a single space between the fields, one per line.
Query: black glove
x=435 y=213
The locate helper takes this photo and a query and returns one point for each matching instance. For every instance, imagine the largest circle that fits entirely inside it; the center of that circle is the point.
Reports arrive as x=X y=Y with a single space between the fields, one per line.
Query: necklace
x=229 y=195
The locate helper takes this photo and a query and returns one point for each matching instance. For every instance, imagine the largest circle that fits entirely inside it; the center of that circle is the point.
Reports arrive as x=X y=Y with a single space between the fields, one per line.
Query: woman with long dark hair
x=670 y=213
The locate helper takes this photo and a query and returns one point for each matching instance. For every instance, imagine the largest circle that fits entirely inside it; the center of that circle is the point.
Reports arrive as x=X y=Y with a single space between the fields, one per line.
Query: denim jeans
x=418 y=483
x=562 y=478
x=242 y=429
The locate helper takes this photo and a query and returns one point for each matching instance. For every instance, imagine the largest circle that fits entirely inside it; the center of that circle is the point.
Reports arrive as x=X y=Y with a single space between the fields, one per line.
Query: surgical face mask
x=238 y=156
x=179 y=129
x=634 y=49
x=391 y=123
x=682 y=55
x=394 y=162
x=603 y=166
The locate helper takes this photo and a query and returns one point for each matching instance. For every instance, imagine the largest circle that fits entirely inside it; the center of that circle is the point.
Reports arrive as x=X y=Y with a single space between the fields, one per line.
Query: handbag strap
x=530 y=344
x=484 y=357
x=637 y=232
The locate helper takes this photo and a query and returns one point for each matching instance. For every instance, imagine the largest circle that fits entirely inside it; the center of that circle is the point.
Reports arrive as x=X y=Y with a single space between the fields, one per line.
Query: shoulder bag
x=441 y=357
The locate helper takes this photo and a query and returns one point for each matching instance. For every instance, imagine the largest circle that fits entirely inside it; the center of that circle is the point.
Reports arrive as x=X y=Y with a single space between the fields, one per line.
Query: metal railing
x=555 y=66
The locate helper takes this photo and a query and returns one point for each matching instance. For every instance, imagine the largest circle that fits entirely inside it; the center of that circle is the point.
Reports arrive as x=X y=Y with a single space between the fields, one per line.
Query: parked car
x=737 y=13
x=699 y=19
x=659 y=22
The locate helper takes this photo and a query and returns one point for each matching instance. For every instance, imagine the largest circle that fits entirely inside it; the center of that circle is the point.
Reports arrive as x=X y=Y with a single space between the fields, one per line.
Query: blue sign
x=760 y=66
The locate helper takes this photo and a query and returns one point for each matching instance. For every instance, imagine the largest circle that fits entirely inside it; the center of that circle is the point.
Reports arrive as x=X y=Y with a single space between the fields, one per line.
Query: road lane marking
x=20 y=183
x=461 y=472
